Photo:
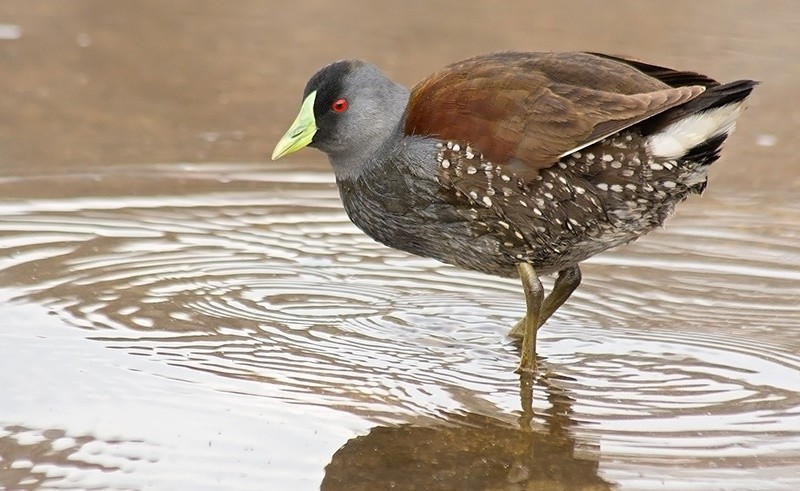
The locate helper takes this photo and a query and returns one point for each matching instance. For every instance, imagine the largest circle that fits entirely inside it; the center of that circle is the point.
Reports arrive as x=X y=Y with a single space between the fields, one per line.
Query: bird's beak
x=301 y=132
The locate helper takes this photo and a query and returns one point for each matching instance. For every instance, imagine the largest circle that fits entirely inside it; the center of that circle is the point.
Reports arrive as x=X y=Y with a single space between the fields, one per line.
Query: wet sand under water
x=178 y=313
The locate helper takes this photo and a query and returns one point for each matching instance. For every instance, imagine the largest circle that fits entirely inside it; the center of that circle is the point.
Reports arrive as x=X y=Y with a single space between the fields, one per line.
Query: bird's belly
x=490 y=247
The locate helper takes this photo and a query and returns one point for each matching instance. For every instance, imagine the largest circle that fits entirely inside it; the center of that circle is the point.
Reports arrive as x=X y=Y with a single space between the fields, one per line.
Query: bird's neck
x=349 y=166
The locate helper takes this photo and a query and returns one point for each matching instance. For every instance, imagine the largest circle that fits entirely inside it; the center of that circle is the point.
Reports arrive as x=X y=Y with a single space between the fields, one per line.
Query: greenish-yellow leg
x=566 y=283
x=534 y=296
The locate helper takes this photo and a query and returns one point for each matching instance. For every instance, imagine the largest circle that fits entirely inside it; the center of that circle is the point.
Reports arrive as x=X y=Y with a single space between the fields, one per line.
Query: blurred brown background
x=93 y=82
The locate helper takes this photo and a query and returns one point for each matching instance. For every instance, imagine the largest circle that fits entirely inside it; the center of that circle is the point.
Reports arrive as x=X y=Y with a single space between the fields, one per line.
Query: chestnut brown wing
x=673 y=78
x=527 y=110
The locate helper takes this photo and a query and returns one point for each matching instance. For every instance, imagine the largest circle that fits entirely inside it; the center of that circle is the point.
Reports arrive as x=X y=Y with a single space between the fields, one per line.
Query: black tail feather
x=724 y=94
x=707 y=152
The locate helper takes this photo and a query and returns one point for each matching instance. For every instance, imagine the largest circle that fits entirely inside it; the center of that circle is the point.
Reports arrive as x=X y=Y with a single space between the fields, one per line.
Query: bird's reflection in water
x=474 y=451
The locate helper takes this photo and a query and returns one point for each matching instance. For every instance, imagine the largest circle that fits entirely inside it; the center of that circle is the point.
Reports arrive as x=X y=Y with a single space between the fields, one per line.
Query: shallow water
x=221 y=325
x=231 y=327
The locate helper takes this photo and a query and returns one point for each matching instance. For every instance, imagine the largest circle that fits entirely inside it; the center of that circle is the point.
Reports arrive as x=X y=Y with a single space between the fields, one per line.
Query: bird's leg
x=566 y=283
x=534 y=296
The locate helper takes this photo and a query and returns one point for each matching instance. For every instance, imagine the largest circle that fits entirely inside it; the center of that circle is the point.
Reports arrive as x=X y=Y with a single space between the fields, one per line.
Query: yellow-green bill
x=301 y=132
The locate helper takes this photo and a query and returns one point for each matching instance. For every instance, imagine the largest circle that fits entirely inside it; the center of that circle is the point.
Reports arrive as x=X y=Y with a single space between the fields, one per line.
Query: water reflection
x=677 y=352
x=32 y=459
x=474 y=451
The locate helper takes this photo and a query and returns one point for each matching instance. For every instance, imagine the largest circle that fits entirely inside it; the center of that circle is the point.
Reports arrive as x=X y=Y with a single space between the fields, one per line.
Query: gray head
x=350 y=110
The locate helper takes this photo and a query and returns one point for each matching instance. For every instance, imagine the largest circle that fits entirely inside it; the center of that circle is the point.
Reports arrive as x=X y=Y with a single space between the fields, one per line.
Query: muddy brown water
x=178 y=313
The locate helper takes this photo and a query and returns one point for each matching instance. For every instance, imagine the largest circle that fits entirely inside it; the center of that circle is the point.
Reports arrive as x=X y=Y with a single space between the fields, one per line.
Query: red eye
x=339 y=106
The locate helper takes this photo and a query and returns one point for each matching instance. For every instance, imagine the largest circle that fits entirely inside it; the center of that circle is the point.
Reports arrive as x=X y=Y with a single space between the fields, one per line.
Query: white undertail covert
x=674 y=141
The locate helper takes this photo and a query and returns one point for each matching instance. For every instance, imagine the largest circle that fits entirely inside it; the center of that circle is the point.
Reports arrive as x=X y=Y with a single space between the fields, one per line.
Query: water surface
x=207 y=334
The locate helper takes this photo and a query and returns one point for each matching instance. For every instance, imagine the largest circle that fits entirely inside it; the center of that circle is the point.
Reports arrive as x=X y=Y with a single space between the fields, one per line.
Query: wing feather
x=530 y=109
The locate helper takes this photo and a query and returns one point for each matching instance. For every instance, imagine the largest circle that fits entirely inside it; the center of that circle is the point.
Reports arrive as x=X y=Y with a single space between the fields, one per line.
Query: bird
x=517 y=164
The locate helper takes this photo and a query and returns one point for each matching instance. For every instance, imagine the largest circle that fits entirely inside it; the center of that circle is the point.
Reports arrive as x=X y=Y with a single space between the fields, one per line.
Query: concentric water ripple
x=680 y=351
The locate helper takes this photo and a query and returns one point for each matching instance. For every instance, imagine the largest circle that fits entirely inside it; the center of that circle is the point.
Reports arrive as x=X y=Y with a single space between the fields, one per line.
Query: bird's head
x=349 y=110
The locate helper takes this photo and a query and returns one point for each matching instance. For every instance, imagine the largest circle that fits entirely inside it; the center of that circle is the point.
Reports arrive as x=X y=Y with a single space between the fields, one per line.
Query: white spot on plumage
x=456 y=147
x=616 y=165
x=616 y=188
x=669 y=184
x=505 y=177
x=445 y=163
x=473 y=195
x=681 y=136
x=607 y=157
x=504 y=224
x=471 y=170
x=487 y=201
x=602 y=186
